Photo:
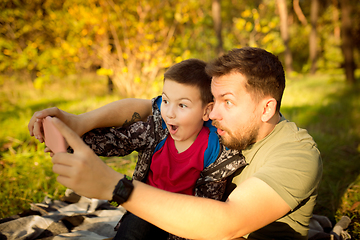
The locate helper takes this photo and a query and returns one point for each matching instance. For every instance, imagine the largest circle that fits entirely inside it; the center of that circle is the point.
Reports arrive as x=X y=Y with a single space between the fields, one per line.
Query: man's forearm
x=118 y=113
x=197 y=218
x=252 y=205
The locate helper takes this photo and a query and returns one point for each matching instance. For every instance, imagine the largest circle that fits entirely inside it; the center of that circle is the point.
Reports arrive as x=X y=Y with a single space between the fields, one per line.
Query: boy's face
x=183 y=111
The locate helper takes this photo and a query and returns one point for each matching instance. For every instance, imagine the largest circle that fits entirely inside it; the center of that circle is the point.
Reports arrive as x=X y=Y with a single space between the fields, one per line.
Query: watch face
x=122 y=191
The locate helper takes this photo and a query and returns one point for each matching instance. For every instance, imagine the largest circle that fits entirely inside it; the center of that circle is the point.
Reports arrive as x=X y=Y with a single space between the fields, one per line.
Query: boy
x=174 y=146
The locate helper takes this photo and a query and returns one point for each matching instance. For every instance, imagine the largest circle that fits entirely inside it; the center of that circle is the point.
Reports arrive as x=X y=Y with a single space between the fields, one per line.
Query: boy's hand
x=48 y=150
x=83 y=171
x=35 y=125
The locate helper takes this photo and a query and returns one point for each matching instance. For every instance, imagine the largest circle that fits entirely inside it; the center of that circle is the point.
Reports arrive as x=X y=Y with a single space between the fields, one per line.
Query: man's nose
x=214 y=114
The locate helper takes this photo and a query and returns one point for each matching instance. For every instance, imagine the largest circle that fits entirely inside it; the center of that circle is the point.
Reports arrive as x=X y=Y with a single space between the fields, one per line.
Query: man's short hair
x=192 y=72
x=263 y=71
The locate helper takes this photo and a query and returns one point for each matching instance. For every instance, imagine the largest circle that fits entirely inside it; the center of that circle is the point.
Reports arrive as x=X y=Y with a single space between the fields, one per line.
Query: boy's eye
x=165 y=101
x=182 y=105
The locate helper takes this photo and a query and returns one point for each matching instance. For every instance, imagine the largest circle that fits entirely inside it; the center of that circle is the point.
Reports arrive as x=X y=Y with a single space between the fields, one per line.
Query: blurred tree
x=132 y=43
x=26 y=42
x=284 y=30
x=216 y=14
x=347 y=40
x=299 y=12
x=336 y=24
x=138 y=46
x=313 y=35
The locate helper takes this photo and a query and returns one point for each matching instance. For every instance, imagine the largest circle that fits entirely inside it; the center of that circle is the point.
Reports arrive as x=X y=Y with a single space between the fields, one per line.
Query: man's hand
x=83 y=171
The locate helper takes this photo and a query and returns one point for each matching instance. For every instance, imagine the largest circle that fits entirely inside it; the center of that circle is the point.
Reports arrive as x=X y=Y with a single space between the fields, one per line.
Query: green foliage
x=25 y=170
x=137 y=40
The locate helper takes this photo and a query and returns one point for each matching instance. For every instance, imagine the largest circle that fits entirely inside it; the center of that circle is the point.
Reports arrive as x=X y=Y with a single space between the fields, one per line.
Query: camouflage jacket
x=145 y=136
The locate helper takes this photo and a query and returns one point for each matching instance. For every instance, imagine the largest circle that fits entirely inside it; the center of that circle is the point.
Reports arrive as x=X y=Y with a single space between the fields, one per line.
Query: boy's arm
x=121 y=141
x=118 y=113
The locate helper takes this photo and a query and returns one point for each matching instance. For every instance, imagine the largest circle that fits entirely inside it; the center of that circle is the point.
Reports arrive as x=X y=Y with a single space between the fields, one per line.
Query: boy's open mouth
x=173 y=128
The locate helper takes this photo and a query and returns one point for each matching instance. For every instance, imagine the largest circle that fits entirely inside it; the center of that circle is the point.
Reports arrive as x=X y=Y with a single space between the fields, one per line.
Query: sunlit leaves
x=141 y=38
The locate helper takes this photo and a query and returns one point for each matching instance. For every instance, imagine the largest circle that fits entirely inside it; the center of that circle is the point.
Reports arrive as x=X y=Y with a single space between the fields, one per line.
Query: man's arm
x=118 y=113
x=252 y=205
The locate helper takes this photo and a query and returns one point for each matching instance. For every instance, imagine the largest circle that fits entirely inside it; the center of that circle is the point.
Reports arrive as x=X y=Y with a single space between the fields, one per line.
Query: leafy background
x=79 y=55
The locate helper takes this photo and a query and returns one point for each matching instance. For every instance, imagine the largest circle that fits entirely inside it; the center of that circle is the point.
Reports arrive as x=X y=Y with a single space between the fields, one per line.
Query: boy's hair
x=192 y=72
x=263 y=71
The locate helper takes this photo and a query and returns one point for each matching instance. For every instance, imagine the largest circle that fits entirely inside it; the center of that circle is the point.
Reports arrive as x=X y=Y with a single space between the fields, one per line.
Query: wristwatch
x=122 y=191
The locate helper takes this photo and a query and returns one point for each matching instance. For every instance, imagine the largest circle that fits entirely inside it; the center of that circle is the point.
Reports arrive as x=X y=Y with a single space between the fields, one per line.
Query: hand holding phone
x=53 y=138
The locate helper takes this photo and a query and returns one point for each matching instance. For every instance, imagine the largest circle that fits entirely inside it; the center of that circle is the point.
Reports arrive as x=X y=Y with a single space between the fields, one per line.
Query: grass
x=329 y=110
x=323 y=104
x=25 y=170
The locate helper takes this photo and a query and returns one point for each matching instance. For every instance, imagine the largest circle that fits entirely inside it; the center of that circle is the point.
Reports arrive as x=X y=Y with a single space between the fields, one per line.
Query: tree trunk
x=347 y=41
x=216 y=14
x=104 y=52
x=299 y=13
x=313 y=35
x=336 y=20
x=285 y=33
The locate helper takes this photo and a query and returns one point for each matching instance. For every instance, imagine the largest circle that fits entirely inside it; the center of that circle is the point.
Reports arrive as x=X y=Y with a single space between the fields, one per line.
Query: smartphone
x=53 y=138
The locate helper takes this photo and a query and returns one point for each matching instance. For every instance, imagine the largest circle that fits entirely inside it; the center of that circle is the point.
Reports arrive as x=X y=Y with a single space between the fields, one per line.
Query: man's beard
x=239 y=139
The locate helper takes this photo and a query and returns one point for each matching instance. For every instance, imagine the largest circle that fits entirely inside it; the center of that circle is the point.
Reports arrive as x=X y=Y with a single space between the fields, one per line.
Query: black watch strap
x=122 y=191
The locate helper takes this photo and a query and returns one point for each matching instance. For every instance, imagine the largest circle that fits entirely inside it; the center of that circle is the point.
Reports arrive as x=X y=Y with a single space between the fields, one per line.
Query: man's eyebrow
x=226 y=94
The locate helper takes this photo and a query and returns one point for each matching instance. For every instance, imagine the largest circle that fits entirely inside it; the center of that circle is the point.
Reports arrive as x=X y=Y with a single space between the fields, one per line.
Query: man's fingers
x=71 y=137
x=61 y=167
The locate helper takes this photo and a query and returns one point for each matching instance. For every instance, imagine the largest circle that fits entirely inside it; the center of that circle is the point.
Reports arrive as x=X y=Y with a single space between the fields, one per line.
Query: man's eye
x=228 y=103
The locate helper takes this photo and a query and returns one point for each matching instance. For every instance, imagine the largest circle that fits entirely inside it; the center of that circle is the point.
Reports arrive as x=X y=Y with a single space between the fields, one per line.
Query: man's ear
x=269 y=109
x=207 y=111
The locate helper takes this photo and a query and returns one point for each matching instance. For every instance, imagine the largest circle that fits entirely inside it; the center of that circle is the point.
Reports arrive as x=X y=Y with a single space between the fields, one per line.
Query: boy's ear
x=207 y=111
x=269 y=109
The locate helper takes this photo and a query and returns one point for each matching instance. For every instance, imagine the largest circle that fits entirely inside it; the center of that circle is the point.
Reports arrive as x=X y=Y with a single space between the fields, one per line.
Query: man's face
x=235 y=114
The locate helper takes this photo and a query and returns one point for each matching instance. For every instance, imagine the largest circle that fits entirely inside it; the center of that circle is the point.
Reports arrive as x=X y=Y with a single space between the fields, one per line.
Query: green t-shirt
x=289 y=162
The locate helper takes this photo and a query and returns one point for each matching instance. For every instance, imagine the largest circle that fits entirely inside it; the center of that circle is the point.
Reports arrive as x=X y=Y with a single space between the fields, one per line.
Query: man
x=272 y=198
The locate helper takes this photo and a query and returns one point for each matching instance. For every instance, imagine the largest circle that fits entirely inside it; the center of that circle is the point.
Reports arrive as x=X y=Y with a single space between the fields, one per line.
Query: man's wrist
x=122 y=191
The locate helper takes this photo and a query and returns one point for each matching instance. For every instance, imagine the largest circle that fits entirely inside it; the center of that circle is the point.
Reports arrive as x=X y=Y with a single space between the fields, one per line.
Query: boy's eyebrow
x=188 y=99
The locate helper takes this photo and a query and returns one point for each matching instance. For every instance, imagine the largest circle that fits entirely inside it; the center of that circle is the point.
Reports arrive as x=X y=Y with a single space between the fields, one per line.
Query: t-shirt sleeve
x=294 y=174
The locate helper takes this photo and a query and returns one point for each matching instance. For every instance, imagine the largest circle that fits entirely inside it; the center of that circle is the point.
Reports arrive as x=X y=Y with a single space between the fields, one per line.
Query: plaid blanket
x=73 y=217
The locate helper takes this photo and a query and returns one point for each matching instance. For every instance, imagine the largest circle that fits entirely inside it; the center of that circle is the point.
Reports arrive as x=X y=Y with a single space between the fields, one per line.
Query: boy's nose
x=170 y=113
